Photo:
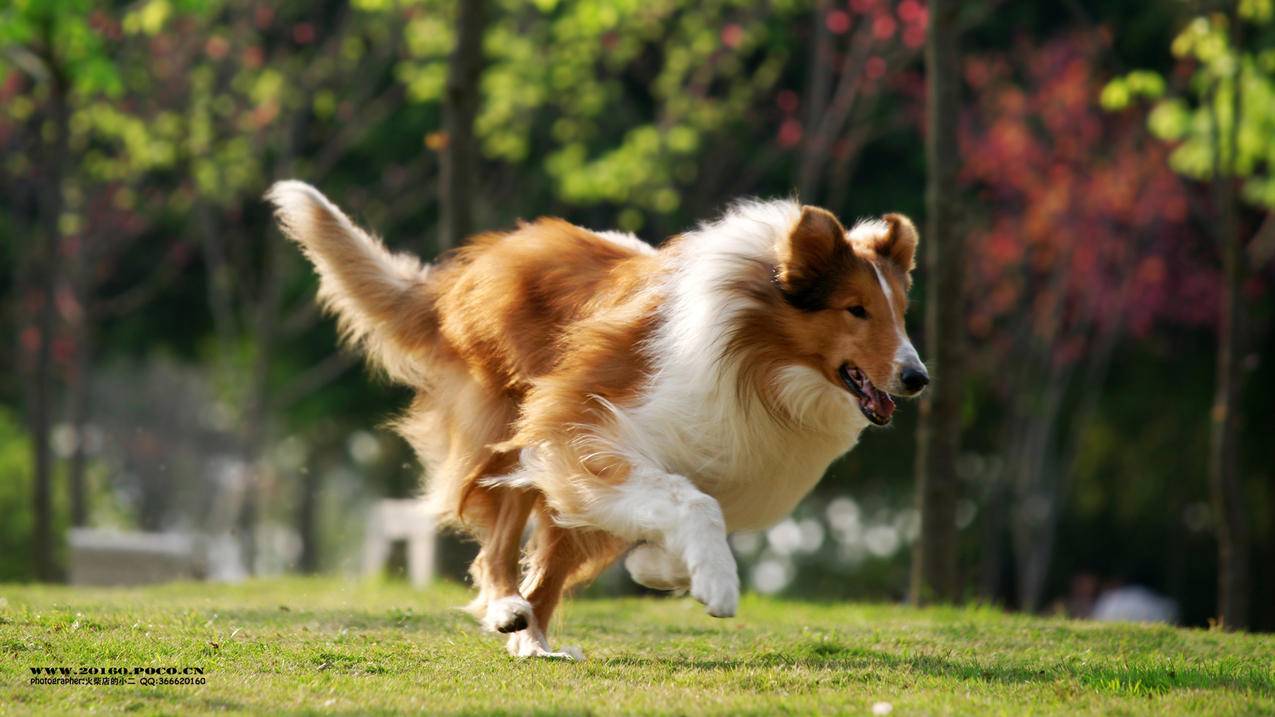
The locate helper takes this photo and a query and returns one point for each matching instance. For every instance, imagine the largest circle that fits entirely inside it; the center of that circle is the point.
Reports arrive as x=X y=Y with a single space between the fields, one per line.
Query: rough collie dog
x=627 y=398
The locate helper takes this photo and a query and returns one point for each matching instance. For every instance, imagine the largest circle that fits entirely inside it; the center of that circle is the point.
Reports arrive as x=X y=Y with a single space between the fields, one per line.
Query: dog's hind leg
x=496 y=567
x=560 y=558
x=497 y=514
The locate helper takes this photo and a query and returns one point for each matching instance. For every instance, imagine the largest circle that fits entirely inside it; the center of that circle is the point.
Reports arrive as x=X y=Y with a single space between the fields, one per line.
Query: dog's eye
x=858 y=312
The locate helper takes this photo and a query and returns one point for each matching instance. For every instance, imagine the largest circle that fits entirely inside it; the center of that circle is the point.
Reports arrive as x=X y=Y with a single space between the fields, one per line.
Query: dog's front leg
x=652 y=566
x=668 y=510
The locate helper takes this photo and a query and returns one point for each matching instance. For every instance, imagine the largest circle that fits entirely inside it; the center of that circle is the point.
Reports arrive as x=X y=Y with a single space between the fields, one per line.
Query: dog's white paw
x=525 y=644
x=717 y=586
x=508 y=614
x=654 y=567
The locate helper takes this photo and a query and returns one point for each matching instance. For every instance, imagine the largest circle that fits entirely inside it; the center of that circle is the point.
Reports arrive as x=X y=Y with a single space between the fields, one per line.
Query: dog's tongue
x=880 y=403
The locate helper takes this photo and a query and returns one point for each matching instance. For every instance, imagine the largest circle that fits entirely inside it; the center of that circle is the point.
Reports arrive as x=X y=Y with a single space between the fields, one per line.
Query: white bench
x=117 y=557
x=408 y=520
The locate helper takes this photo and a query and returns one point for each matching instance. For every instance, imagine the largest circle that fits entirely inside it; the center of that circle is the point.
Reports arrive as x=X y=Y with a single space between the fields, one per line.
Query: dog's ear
x=898 y=244
x=810 y=257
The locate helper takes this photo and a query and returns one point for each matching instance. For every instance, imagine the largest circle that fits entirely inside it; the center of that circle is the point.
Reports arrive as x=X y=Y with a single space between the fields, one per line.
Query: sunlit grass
x=323 y=645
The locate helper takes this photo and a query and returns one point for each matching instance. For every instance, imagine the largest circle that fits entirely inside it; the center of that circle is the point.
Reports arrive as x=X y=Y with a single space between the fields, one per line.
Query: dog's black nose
x=914 y=379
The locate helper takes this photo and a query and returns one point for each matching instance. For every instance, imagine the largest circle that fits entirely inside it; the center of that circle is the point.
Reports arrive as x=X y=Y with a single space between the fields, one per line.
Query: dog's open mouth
x=875 y=403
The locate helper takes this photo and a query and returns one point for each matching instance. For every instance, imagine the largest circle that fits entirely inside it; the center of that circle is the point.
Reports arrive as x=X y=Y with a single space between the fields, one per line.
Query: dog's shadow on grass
x=1134 y=680
x=336 y=618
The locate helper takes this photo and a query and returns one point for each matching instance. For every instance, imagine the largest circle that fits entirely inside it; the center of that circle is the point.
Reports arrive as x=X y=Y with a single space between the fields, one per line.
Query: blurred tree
x=1234 y=562
x=458 y=181
x=855 y=47
x=1088 y=241
x=592 y=103
x=54 y=46
x=72 y=104
x=47 y=278
x=1224 y=128
x=204 y=127
x=262 y=103
x=934 y=569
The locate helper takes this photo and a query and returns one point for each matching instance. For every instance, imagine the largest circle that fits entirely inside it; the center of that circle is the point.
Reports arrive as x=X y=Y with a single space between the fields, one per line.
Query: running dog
x=629 y=398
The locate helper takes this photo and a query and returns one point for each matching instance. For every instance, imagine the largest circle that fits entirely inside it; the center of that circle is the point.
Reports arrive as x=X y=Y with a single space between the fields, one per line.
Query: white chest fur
x=693 y=420
x=757 y=468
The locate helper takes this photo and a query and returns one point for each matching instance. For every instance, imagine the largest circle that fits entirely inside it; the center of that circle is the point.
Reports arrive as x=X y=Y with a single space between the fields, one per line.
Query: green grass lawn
x=323 y=645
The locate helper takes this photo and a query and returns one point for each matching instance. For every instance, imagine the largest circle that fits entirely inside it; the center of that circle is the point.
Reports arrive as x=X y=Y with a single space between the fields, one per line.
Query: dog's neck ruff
x=700 y=415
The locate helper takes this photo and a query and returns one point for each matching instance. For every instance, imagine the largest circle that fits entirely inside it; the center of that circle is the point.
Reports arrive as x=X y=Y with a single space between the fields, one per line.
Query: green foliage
x=1119 y=92
x=1188 y=120
x=543 y=67
x=322 y=646
x=15 y=499
x=60 y=29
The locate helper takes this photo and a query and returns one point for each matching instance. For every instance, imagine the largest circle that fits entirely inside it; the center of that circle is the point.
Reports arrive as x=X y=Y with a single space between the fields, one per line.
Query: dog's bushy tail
x=381 y=300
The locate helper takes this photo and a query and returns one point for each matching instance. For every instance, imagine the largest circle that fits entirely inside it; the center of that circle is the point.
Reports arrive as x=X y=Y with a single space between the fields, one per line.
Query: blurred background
x=170 y=388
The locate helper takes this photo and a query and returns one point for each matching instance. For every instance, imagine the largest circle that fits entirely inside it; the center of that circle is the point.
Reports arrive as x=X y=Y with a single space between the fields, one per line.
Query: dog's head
x=845 y=295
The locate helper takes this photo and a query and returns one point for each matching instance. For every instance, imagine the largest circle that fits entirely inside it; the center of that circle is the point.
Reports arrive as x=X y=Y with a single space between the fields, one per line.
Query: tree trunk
x=41 y=409
x=1044 y=468
x=460 y=105
x=1035 y=472
x=1225 y=487
x=79 y=388
x=256 y=417
x=309 y=485
x=820 y=83
x=79 y=381
x=934 y=575
x=994 y=540
x=1224 y=481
